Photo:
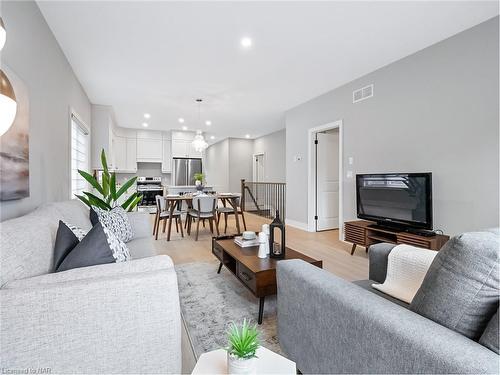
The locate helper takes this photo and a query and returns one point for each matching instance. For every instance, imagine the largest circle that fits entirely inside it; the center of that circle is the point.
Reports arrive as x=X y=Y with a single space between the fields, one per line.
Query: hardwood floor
x=325 y=246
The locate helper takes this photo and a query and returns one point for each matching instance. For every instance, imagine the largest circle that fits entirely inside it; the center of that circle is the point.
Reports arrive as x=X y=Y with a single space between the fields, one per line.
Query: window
x=80 y=155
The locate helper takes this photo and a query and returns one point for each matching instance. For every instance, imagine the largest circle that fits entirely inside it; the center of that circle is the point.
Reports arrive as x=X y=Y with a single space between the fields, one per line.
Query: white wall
x=274 y=148
x=216 y=166
x=240 y=162
x=34 y=55
x=227 y=162
x=434 y=111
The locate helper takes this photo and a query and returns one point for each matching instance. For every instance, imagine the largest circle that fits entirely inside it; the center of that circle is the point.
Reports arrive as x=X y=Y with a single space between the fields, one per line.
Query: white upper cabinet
x=119 y=153
x=124 y=154
x=182 y=145
x=180 y=149
x=166 y=164
x=149 y=150
x=149 y=146
x=132 y=154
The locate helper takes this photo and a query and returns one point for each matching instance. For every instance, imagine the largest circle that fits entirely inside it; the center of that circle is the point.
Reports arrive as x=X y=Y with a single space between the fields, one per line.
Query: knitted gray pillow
x=117 y=221
x=460 y=290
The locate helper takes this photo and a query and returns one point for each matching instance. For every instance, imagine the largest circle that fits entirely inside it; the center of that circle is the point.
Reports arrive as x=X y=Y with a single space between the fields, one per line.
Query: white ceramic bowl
x=248 y=235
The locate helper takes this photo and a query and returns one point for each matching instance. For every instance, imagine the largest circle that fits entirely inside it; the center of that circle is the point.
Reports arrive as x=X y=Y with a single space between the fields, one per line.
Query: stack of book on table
x=241 y=242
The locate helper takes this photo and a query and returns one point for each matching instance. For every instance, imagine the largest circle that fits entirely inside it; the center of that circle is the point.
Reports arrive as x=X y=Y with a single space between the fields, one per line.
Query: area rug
x=211 y=301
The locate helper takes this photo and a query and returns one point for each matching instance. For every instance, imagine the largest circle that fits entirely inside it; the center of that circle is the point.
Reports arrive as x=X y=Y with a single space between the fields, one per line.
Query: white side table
x=268 y=362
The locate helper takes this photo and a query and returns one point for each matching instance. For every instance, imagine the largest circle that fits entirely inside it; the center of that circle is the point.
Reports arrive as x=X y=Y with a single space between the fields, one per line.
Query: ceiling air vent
x=362 y=93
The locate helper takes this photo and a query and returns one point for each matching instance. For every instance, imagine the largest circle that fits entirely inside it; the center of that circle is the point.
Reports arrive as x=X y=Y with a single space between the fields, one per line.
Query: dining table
x=175 y=200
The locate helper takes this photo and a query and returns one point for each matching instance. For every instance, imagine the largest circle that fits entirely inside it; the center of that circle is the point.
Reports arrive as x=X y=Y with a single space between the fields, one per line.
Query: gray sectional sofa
x=329 y=325
x=111 y=318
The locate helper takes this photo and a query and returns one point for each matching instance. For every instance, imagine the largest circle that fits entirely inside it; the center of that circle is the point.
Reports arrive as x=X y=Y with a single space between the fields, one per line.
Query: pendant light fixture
x=199 y=142
x=8 y=104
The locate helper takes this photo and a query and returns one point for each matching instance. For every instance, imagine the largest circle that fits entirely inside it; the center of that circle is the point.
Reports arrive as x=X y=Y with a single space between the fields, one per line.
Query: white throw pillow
x=116 y=221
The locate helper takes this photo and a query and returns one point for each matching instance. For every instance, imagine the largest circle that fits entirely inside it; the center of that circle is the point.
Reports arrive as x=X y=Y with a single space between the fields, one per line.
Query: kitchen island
x=172 y=190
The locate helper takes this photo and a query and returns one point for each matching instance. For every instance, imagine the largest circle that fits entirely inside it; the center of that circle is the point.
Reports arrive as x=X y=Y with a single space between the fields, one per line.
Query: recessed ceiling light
x=181 y=120
x=208 y=122
x=147 y=115
x=184 y=128
x=247 y=136
x=212 y=137
x=246 y=42
x=145 y=124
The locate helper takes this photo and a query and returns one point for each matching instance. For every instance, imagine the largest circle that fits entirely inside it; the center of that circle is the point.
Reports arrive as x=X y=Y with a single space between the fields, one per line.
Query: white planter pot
x=197 y=182
x=239 y=366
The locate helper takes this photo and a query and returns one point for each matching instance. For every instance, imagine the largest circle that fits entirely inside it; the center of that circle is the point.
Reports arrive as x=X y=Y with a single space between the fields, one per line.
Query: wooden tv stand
x=366 y=233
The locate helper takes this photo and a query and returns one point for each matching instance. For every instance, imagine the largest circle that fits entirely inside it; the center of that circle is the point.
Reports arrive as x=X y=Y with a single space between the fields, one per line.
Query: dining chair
x=203 y=209
x=163 y=206
x=226 y=211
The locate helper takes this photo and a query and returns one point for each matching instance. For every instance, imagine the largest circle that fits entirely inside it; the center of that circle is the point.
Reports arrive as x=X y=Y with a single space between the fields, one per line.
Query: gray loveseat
x=111 y=318
x=329 y=325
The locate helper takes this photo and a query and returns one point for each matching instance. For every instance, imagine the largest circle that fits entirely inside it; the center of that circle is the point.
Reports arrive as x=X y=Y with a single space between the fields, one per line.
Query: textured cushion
x=140 y=223
x=27 y=245
x=117 y=221
x=142 y=247
x=94 y=218
x=66 y=240
x=99 y=246
x=460 y=290
x=489 y=337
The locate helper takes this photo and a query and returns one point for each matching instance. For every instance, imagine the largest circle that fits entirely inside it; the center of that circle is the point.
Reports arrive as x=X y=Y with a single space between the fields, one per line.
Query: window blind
x=80 y=155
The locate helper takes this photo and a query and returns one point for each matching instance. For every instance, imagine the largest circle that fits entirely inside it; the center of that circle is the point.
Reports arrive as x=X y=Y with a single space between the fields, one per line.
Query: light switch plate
x=351 y=160
x=349 y=174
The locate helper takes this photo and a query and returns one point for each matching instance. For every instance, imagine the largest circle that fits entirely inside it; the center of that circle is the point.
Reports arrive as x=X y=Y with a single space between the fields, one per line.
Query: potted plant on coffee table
x=243 y=342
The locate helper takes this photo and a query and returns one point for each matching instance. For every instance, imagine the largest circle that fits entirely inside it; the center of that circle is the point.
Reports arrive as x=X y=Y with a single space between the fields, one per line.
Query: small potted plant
x=198 y=181
x=243 y=342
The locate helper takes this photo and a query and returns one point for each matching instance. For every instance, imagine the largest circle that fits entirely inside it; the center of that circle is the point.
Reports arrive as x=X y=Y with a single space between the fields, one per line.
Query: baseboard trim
x=297 y=224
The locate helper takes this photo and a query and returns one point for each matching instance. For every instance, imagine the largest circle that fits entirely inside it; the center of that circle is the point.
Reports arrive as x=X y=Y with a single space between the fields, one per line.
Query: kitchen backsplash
x=146 y=170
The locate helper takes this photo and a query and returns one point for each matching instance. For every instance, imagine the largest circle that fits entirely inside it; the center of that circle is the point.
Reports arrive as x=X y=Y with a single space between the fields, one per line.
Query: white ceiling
x=158 y=57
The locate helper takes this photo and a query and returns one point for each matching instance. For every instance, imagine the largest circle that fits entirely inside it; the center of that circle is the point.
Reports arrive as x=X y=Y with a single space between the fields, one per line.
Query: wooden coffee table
x=258 y=275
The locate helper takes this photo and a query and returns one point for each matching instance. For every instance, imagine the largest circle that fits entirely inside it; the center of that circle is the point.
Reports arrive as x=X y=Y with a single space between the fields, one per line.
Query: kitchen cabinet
x=149 y=150
x=166 y=164
x=149 y=146
x=132 y=154
x=119 y=153
x=184 y=149
x=124 y=154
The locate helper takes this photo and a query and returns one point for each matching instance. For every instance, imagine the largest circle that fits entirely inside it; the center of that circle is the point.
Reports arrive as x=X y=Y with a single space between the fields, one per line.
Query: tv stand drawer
x=355 y=234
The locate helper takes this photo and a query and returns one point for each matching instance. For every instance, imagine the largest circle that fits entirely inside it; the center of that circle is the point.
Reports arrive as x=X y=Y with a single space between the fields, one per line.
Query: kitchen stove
x=149 y=187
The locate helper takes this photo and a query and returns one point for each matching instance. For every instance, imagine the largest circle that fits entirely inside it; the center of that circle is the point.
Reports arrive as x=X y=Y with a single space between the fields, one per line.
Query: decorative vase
x=199 y=185
x=240 y=366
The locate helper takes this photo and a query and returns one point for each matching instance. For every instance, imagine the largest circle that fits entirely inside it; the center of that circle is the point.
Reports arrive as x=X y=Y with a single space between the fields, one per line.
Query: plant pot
x=199 y=185
x=236 y=365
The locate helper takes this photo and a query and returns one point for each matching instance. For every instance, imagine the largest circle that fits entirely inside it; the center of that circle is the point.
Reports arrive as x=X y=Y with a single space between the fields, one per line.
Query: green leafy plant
x=107 y=190
x=243 y=340
x=199 y=177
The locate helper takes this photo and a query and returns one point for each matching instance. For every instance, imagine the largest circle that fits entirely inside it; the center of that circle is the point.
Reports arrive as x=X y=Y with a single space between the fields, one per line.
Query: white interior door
x=327 y=181
x=258 y=168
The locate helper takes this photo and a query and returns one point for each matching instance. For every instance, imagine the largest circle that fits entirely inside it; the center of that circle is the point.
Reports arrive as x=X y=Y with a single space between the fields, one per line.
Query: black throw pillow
x=66 y=240
x=94 y=218
x=99 y=246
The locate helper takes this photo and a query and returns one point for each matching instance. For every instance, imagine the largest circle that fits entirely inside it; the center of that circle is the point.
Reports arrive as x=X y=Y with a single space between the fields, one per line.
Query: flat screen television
x=400 y=200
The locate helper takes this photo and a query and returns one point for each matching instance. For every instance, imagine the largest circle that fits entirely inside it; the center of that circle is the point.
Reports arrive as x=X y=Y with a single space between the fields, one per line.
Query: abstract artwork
x=14 y=146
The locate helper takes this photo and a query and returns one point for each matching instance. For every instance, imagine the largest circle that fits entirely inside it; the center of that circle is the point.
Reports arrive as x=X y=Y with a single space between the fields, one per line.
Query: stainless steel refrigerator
x=184 y=171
